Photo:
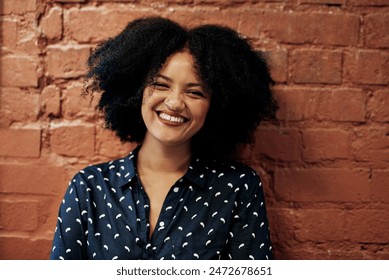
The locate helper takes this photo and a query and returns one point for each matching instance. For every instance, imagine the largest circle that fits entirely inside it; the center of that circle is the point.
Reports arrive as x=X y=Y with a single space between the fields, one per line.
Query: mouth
x=171 y=118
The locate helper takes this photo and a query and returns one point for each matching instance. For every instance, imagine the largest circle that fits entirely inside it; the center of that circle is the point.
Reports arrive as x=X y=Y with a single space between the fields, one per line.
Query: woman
x=188 y=97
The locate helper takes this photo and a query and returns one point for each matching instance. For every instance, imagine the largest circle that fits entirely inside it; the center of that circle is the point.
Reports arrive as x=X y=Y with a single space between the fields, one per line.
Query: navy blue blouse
x=215 y=211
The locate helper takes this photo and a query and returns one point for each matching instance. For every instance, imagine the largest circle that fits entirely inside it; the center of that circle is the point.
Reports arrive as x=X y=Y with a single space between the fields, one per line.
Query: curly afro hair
x=236 y=76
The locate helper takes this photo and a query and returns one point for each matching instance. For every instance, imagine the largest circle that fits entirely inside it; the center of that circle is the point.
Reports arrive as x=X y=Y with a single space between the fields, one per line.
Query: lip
x=172 y=114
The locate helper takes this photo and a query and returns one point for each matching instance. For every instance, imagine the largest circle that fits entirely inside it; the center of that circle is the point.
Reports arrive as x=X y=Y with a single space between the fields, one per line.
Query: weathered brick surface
x=378 y=106
x=22 y=248
x=72 y=99
x=303 y=27
x=51 y=24
x=63 y=138
x=322 y=185
x=18 y=6
x=326 y=144
x=369 y=226
x=301 y=104
x=19 y=71
x=25 y=142
x=8 y=33
x=31 y=178
x=21 y=215
x=376 y=36
x=18 y=105
x=373 y=3
x=319 y=225
x=278 y=60
x=370 y=67
x=97 y=24
x=66 y=61
x=372 y=145
x=50 y=101
x=324 y=163
x=324 y=67
x=380 y=185
x=281 y=144
x=107 y=144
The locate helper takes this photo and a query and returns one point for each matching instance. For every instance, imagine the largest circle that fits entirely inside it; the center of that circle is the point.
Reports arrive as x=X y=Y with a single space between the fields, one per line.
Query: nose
x=174 y=101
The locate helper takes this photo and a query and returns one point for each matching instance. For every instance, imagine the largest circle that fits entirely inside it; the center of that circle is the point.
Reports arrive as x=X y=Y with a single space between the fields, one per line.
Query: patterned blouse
x=215 y=211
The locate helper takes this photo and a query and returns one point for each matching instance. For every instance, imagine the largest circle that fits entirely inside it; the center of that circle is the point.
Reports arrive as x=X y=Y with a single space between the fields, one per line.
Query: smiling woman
x=188 y=97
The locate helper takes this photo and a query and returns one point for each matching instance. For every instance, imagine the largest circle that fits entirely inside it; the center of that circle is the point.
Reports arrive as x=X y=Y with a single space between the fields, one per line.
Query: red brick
x=20 y=215
x=302 y=27
x=17 y=106
x=67 y=61
x=367 y=67
x=368 y=2
x=31 y=178
x=320 y=104
x=50 y=100
x=8 y=33
x=370 y=226
x=75 y=106
x=334 y=2
x=20 y=142
x=326 y=144
x=94 y=24
x=28 y=37
x=282 y=223
x=71 y=1
x=278 y=61
x=380 y=185
x=278 y=143
x=24 y=248
x=109 y=145
x=377 y=33
x=372 y=145
x=51 y=24
x=19 y=71
x=329 y=252
x=73 y=139
x=322 y=185
x=17 y=6
x=316 y=67
x=204 y=15
x=320 y=225
x=120 y=0
x=378 y=106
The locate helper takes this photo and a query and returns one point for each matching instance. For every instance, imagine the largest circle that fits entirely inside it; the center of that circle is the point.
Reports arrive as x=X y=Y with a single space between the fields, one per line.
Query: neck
x=157 y=157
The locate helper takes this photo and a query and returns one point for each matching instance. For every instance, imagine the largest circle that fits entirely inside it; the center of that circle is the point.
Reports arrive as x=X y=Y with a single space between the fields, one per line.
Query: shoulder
x=233 y=173
x=113 y=173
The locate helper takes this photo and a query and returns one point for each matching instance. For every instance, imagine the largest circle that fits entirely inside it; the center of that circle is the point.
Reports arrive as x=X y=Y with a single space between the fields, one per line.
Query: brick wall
x=325 y=164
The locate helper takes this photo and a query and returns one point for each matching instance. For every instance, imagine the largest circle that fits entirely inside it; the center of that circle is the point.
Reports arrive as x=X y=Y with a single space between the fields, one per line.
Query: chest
x=192 y=224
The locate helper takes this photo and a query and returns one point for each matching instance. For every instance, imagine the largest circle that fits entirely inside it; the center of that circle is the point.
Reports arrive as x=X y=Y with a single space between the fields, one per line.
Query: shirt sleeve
x=69 y=238
x=249 y=233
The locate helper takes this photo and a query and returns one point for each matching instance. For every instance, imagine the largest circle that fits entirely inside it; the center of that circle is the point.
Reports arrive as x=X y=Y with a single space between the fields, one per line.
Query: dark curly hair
x=236 y=76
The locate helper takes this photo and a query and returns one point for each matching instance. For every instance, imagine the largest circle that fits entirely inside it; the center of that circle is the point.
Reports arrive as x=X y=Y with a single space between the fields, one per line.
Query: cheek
x=147 y=94
x=202 y=112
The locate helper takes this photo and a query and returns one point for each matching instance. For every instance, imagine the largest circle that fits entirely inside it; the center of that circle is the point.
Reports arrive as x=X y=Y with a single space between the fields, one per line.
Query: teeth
x=169 y=118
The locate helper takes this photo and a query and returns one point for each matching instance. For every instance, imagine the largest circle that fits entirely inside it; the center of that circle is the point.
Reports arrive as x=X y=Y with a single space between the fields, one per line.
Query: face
x=175 y=103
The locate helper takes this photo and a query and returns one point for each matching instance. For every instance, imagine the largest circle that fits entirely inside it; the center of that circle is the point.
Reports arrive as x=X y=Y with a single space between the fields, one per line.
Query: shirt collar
x=198 y=172
x=126 y=173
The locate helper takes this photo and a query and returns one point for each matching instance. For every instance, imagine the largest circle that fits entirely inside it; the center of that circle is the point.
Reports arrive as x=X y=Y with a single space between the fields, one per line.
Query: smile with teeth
x=170 y=118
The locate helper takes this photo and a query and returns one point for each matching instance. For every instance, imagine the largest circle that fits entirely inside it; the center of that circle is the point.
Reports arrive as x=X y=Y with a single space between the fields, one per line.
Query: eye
x=196 y=93
x=160 y=86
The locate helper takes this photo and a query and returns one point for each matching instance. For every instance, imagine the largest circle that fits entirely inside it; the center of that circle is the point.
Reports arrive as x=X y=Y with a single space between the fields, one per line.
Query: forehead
x=180 y=63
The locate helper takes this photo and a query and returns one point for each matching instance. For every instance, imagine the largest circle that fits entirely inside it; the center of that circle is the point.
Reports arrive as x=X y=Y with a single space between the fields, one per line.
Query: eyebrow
x=170 y=80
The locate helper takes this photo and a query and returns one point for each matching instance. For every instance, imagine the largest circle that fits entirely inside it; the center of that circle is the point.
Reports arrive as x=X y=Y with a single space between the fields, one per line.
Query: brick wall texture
x=324 y=163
